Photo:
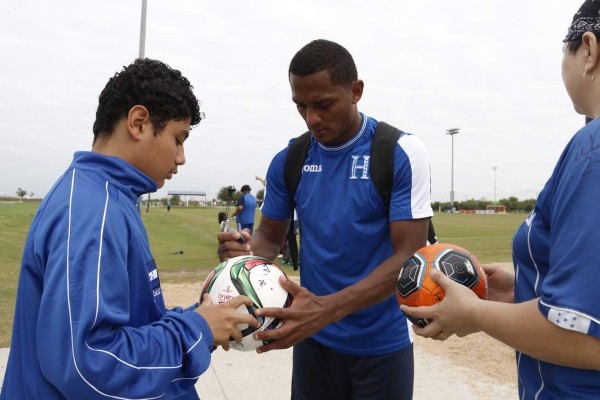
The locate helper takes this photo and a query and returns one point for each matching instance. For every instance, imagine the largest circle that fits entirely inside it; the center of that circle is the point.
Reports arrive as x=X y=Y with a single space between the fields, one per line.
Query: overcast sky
x=490 y=68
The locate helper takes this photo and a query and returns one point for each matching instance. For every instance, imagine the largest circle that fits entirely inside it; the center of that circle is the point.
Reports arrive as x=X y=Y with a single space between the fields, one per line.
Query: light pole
x=143 y=30
x=452 y=132
x=142 y=55
x=495 y=169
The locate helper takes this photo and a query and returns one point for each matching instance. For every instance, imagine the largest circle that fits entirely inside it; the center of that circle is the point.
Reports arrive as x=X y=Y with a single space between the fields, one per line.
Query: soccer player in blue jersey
x=245 y=209
x=90 y=319
x=350 y=338
x=549 y=309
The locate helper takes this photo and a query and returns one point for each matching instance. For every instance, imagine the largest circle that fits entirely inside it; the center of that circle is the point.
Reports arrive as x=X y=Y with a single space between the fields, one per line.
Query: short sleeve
x=278 y=204
x=411 y=195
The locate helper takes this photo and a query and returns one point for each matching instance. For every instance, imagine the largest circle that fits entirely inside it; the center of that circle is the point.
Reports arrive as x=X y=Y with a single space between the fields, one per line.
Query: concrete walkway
x=236 y=375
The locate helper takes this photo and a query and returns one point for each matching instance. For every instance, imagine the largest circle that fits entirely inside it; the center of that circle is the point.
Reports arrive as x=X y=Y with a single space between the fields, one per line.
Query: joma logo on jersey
x=360 y=168
x=312 y=168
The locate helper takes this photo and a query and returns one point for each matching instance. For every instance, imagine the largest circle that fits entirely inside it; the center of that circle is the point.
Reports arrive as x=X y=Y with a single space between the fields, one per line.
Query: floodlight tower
x=452 y=132
x=142 y=55
x=494 y=168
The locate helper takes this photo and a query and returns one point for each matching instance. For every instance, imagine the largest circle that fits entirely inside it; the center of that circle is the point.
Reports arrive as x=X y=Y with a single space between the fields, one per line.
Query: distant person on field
x=168 y=205
x=90 y=319
x=245 y=210
x=351 y=341
x=549 y=308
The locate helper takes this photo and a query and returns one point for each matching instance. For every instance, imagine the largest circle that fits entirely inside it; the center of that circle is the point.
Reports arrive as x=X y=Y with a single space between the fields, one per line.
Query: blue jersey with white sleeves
x=90 y=319
x=556 y=258
x=345 y=232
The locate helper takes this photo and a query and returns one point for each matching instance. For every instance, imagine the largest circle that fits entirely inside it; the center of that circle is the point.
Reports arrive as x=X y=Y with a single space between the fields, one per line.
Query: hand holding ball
x=251 y=276
x=416 y=288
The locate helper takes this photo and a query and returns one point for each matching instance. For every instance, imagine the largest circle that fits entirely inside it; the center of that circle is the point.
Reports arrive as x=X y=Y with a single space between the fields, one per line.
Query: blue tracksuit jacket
x=90 y=320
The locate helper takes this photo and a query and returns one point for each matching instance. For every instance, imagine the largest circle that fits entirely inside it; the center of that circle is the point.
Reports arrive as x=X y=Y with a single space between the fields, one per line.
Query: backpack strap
x=381 y=163
x=294 y=161
x=382 y=166
x=431 y=236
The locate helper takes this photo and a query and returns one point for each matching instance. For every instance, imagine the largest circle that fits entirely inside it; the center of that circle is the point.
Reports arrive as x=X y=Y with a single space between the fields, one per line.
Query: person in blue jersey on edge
x=245 y=210
x=350 y=338
x=549 y=309
x=90 y=319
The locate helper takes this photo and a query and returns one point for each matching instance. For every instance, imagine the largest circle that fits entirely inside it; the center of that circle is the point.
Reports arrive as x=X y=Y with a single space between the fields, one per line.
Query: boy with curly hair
x=90 y=319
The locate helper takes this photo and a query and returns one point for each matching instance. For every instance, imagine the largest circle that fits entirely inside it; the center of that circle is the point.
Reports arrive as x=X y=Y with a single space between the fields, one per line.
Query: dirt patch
x=477 y=352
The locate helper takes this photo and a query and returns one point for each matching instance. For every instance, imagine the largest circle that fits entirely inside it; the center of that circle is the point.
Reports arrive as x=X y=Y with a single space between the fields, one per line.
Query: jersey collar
x=352 y=140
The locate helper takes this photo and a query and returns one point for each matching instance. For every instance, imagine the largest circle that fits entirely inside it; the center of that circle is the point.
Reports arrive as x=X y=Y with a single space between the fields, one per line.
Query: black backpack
x=381 y=165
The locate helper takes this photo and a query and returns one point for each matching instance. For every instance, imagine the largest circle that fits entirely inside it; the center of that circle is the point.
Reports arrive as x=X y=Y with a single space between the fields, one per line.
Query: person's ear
x=590 y=43
x=357 y=90
x=138 y=121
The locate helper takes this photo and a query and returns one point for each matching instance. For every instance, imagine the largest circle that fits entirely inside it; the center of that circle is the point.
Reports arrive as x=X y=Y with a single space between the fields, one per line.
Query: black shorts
x=321 y=373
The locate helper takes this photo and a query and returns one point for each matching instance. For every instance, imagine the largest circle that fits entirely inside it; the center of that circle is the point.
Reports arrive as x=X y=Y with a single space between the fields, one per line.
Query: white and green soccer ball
x=251 y=276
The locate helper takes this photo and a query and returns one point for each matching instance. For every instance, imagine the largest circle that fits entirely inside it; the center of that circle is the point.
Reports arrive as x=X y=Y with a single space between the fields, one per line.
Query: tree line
x=512 y=204
x=224 y=195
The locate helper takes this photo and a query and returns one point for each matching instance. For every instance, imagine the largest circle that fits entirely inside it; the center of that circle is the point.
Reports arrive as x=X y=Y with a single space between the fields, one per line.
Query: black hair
x=321 y=55
x=245 y=188
x=166 y=94
x=574 y=44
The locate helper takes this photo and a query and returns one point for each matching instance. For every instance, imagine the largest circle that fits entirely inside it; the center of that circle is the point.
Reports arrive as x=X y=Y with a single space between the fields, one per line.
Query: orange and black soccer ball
x=416 y=288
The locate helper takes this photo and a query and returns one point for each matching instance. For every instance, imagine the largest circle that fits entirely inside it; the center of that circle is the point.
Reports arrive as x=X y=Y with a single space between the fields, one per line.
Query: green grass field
x=194 y=230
